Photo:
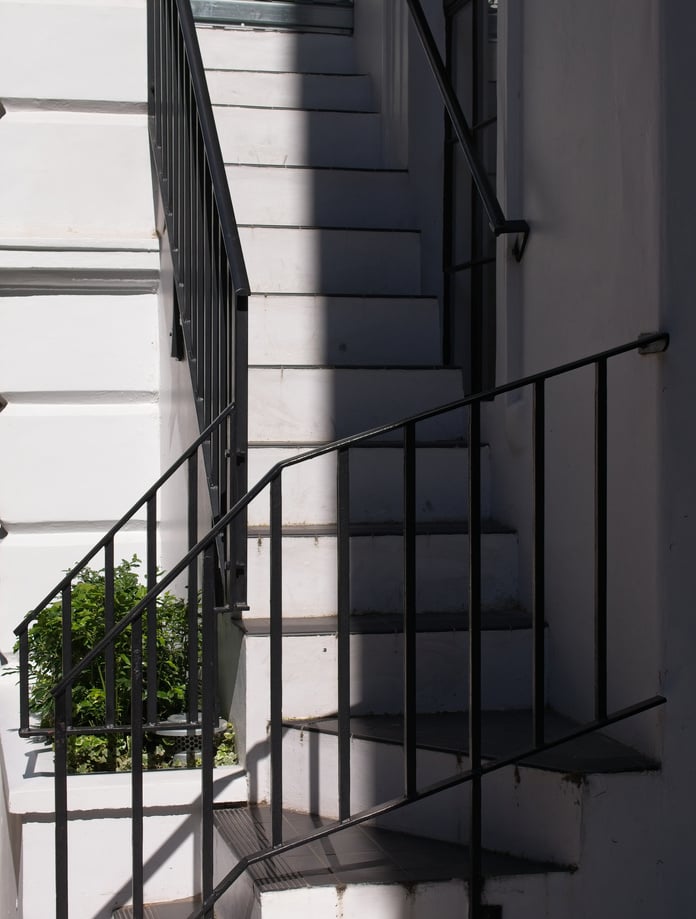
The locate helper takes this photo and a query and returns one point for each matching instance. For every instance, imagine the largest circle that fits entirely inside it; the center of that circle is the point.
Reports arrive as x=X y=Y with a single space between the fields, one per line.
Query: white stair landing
x=361 y=872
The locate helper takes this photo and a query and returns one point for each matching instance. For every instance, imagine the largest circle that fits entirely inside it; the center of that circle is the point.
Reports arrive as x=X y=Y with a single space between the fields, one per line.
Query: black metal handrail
x=211 y=286
x=204 y=549
x=499 y=223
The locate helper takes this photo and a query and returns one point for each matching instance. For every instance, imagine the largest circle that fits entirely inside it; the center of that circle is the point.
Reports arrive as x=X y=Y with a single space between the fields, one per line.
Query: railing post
x=276 y=651
x=601 y=539
x=61 y=805
x=343 y=636
x=410 y=729
x=475 y=878
x=209 y=673
x=538 y=574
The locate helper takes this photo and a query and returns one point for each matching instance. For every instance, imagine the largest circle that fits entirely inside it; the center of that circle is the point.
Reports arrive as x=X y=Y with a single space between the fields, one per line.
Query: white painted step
x=339 y=92
x=327 y=261
x=304 y=197
x=310 y=573
x=317 y=405
x=344 y=331
x=249 y=49
x=545 y=813
x=377 y=681
x=291 y=137
x=367 y=872
x=376 y=484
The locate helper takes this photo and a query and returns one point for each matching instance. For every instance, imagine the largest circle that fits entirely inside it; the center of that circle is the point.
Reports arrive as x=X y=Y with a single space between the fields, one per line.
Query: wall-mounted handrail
x=499 y=223
x=204 y=548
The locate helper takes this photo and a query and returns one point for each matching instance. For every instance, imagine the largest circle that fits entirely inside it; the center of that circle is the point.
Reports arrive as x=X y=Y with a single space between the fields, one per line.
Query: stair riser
x=245 y=49
x=356 y=262
x=376 y=485
x=343 y=331
x=528 y=812
x=309 y=565
x=278 y=196
x=376 y=684
x=306 y=405
x=285 y=137
x=349 y=93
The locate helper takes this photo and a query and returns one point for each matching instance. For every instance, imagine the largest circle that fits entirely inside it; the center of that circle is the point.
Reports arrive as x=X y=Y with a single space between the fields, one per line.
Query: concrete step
x=377 y=655
x=308 y=405
x=174 y=909
x=344 y=331
x=329 y=16
x=376 y=484
x=363 y=871
x=329 y=261
x=292 y=137
x=541 y=808
x=310 y=573
x=319 y=91
x=304 y=197
x=250 y=49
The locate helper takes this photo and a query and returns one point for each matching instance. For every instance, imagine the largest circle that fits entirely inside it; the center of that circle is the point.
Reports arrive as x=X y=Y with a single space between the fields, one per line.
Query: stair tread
x=173 y=909
x=386 y=528
x=504 y=734
x=390 y=623
x=354 y=855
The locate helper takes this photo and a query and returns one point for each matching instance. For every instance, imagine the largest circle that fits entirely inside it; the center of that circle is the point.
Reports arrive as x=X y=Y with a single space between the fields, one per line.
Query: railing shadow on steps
x=202 y=609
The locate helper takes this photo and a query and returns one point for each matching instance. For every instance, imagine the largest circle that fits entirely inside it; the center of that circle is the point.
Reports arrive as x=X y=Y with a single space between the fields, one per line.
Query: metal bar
x=395 y=804
x=66 y=628
x=24 y=681
x=151 y=633
x=601 y=538
x=276 y=643
x=240 y=506
x=343 y=626
x=61 y=805
x=538 y=572
x=410 y=724
x=192 y=596
x=209 y=682
x=474 y=489
x=497 y=220
x=137 y=820
x=109 y=619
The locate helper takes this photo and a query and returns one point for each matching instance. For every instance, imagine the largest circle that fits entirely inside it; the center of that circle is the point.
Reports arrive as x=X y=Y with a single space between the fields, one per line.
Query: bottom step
x=361 y=870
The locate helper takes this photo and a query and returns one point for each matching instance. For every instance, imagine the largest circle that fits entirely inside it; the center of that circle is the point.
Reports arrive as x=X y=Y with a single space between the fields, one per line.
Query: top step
x=298 y=15
x=267 y=51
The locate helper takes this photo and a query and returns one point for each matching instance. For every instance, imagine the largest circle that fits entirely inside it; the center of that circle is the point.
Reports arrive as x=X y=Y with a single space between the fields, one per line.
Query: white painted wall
x=78 y=267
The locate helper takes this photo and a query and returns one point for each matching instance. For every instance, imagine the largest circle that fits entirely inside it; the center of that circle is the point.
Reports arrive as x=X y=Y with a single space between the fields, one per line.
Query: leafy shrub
x=94 y=753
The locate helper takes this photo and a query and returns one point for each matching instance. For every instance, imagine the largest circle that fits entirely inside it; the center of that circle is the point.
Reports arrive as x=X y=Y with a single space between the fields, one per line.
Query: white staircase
x=343 y=338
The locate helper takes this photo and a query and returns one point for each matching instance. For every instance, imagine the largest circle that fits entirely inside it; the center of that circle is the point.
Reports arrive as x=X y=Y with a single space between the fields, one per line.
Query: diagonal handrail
x=499 y=223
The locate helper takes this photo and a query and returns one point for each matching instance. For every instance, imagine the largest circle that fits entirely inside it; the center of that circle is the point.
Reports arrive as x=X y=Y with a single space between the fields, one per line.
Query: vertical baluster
x=343 y=638
x=24 y=679
x=61 y=805
x=152 y=681
x=66 y=620
x=192 y=594
x=137 y=764
x=538 y=574
x=410 y=763
x=276 y=641
x=475 y=880
x=601 y=538
x=209 y=681
x=109 y=618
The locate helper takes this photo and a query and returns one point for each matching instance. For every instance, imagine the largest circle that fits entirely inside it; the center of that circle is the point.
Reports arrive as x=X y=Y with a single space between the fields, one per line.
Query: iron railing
x=202 y=553
x=211 y=286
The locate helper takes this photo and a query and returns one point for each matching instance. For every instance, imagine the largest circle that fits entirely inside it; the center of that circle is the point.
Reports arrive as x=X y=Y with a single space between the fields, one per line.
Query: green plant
x=93 y=753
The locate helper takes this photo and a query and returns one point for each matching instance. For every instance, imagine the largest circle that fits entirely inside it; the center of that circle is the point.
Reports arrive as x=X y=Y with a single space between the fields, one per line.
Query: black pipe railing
x=498 y=222
x=211 y=286
x=202 y=551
